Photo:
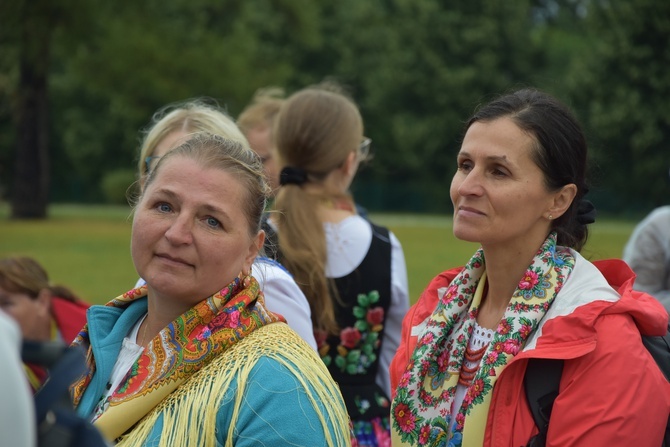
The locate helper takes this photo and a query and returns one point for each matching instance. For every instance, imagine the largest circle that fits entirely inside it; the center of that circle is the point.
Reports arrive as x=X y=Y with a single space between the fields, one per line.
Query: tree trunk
x=31 y=176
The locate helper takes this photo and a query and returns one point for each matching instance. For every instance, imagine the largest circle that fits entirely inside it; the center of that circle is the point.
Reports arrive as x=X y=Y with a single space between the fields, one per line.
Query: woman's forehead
x=181 y=173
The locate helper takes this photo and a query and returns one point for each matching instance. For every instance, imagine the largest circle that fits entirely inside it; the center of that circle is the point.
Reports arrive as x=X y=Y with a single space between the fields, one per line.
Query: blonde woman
x=194 y=357
x=256 y=122
x=173 y=124
x=351 y=270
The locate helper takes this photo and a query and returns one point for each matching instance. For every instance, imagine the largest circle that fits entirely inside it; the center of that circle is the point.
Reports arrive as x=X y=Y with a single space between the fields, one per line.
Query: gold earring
x=247 y=279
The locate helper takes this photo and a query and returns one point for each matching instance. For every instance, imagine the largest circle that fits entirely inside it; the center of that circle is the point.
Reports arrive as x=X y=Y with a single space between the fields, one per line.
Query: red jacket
x=612 y=393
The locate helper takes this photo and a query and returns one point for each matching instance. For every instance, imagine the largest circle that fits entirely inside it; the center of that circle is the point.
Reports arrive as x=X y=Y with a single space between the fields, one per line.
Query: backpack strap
x=541 y=383
x=659 y=348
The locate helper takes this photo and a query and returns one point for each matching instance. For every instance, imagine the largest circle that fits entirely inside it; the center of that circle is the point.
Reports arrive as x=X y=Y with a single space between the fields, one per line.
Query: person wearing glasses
x=174 y=123
x=351 y=270
x=257 y=122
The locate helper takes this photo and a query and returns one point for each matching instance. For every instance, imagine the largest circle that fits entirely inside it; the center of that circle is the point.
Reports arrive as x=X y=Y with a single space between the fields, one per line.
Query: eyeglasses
x=364 y=150
x=150 y=162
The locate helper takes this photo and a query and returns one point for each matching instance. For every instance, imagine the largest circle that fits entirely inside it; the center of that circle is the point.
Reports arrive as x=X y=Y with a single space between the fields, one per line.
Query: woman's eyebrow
x=495 y=158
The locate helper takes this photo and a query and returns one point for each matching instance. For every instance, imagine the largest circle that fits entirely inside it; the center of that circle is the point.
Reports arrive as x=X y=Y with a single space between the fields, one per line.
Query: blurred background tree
x=621 y=85
x=417 y=68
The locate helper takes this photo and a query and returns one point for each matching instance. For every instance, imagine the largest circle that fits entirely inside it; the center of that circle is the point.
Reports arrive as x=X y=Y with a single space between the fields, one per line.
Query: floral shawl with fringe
x=179 y=350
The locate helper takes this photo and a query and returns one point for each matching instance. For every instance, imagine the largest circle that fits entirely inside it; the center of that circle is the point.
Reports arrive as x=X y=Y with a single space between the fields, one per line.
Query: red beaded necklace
x=474 y=357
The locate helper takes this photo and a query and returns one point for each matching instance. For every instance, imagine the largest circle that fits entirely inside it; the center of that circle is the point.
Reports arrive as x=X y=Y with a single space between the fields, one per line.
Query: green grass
x=87 y=248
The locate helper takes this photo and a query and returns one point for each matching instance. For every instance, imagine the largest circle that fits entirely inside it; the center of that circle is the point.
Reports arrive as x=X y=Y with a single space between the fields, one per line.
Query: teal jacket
x=277 y=393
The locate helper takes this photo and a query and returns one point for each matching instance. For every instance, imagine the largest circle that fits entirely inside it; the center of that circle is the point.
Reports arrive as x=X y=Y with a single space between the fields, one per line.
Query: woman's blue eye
x=212 y=222
x=164 y=207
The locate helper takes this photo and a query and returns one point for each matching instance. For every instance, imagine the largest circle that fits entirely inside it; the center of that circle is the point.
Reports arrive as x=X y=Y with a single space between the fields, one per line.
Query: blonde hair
x=262 y=110
x=194 y=115
x=229 y=155
x=315 y=131
x=26 y=276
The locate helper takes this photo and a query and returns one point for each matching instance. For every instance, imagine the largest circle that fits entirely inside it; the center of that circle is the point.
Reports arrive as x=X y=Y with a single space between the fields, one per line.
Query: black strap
x=541 y=382
x=659 y=348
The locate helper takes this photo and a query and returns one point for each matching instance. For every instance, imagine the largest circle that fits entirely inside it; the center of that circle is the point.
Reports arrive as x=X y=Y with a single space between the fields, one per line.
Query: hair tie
x=586 y=212
x=290 y=175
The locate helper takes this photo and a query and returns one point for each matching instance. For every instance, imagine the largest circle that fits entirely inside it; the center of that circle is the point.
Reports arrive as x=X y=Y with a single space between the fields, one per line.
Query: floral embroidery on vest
x=358 y=344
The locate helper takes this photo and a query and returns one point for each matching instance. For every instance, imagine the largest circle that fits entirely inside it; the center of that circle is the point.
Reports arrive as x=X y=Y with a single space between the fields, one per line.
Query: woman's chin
x=466 y=235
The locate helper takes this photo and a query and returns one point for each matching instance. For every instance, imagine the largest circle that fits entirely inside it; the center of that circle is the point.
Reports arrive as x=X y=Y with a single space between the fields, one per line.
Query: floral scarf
x=421 y=410
x=181 y=349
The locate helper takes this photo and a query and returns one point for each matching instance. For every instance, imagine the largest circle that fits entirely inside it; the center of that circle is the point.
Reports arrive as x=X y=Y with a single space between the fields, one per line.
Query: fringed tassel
x=189 y=414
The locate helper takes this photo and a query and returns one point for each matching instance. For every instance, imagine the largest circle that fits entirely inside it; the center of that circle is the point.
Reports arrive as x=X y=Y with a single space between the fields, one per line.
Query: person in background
x=526 y=294
x=256 y=122
x=351 y=270
x=171 y=125
x=44 y=312
x=17 y=409
x=648 y=254
x=194 y=357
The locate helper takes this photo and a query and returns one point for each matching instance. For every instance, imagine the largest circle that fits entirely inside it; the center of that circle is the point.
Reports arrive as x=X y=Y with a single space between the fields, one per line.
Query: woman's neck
x=159 y=314
x=504 y=270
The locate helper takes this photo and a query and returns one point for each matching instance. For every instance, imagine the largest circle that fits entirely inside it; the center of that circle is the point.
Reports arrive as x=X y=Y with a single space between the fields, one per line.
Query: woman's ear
x=562 y=200
x=254 y=248
x=350 y=164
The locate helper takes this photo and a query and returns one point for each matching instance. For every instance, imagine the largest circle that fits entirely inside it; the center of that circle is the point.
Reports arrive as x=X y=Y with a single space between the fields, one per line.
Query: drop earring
x=246 y=282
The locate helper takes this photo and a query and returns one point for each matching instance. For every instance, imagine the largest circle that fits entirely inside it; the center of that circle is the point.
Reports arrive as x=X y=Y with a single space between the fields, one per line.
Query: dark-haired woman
x=527 y=293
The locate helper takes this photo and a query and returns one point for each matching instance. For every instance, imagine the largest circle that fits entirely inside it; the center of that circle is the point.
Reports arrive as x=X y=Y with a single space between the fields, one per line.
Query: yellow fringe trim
x=189 y=413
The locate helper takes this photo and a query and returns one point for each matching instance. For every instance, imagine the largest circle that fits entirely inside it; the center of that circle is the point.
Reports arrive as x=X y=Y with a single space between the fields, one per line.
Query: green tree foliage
x=417 y=68
x=144 y=55
x=622 y=86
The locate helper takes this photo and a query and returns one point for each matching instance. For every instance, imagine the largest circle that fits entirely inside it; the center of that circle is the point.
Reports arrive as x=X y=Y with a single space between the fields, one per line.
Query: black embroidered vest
x=353 y=357
x=364 y=300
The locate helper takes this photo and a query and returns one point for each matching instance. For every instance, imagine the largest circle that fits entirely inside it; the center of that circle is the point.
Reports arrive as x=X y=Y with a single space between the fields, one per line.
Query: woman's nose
x=471 y=184
x=180 y=231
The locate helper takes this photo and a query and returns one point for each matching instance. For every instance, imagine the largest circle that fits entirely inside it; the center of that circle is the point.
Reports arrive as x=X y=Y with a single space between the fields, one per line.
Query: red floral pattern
x=421 y=409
